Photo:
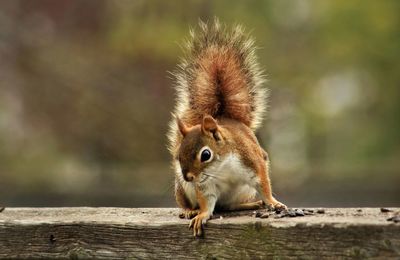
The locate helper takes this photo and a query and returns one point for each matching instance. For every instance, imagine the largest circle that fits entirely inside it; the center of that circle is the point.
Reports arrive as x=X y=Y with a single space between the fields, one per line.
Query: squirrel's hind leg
x=264 y=188
x=247 y=206
x=189 y=213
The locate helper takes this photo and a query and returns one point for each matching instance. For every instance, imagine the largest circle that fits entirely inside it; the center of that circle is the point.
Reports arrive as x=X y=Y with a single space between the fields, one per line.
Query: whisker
x=208 y=175
x=204 y=179
x=211 y=175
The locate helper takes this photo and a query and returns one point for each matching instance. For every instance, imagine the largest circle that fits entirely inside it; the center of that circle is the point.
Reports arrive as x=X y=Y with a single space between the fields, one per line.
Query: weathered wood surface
x=120 y=233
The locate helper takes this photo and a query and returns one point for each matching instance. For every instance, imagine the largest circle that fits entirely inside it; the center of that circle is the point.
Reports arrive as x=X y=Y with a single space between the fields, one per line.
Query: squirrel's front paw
x=197 y=223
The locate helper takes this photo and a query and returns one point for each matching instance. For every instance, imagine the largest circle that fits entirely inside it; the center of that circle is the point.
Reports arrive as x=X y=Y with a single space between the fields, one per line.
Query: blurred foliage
x=85 y=98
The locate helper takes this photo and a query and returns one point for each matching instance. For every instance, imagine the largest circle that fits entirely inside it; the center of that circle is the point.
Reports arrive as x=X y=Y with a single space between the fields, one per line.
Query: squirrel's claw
x=197 y=224
x=191 y=223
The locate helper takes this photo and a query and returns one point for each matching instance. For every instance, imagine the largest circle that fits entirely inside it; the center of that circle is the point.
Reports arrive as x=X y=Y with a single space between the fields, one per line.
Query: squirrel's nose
x=188 y=176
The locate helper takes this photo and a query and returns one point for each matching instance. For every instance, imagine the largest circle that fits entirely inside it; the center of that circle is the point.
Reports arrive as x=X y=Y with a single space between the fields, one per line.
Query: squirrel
x=216 y=157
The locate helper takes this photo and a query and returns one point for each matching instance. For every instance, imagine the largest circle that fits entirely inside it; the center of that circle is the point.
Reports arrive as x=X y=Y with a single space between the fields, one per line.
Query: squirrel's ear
x=210 y=126
x=182 y=127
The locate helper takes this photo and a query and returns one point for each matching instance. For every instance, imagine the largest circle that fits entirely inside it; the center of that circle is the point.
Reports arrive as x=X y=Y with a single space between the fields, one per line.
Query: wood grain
x=121 y=233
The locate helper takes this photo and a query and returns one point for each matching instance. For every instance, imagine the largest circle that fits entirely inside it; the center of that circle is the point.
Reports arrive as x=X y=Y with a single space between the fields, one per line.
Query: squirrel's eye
x=205 y=155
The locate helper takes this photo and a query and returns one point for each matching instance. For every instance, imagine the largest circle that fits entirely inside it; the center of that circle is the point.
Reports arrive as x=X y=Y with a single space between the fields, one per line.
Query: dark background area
x=85 y=99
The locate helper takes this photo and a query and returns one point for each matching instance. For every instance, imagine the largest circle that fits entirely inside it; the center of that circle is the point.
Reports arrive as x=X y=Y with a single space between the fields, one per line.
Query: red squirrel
x=220 y=103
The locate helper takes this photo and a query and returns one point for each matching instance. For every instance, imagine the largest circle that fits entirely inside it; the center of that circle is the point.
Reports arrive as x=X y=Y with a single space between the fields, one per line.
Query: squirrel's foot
x=280 y=206
x=189 y=213
x=197 y=223
x=275 y=205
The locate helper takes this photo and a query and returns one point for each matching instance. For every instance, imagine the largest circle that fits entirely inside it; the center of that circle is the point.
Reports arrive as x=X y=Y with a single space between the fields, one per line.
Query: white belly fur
x=230 y=181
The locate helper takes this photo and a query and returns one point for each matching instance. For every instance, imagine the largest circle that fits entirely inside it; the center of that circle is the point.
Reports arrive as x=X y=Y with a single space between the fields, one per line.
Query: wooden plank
x=120 y=233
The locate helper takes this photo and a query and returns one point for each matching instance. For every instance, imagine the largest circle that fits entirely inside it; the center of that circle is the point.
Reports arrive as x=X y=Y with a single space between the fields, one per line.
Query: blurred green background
x=85 y=99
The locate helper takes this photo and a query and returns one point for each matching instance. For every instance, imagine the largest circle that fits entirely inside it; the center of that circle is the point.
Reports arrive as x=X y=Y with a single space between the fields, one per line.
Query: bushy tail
x=220 y=76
